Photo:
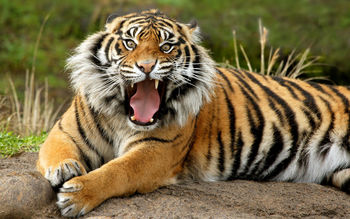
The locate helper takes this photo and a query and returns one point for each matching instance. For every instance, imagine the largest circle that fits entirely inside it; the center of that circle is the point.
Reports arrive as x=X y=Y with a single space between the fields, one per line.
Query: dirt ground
x=237 y=199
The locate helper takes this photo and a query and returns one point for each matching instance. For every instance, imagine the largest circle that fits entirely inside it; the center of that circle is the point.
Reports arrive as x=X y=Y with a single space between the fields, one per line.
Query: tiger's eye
x=131 y=44
x=166 y=47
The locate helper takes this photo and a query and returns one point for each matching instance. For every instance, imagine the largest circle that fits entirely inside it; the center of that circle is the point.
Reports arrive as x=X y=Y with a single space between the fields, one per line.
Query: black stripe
x=236 y=71
x=196 y=62
x=136 y=20
x=191 y=83
x=94 y=50
x=142 y=23
x=179 y=53
x=255 y=129
x=225 y=78
x=245 y=84
x=345 y=141
x=134 y=32
x=121 y=24
x=165 y=66
x=304 y=153
x=311 y=120
x=102 y=131
x=342 y=97
x=290 y=116
x=81 y=153
x=253 y=173
x=237 y=160
x=128 y=33
x=83 y=134
x=221 y=158
x=127 y=71
x=307 y=136
x=107 y=49
x=272 y=105
x=153 y=139
x=325 y=145
x=108 y=99
x=213 y=114
x=309 y=100
x=282 y=82
x=159 y=36
x=167 y=23
x=181 y=40
x=142 y=34
x=162 y=24
x=232 y=119
x=319 y=88
x=117 y=48
x=188 y=57
x=274 y=151
x=118 y=59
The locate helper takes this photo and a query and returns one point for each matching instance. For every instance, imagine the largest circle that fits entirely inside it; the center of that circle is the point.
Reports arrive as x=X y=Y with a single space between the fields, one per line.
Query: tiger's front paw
x=76 y=197
x=64 y=171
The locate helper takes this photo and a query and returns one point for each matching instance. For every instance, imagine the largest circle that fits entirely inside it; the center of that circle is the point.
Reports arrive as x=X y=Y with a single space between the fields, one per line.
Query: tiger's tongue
x=145 y=102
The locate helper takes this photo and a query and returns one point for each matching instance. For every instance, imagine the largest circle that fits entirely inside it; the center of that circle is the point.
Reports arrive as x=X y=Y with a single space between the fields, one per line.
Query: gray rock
x=24 y=193
x=23 y=190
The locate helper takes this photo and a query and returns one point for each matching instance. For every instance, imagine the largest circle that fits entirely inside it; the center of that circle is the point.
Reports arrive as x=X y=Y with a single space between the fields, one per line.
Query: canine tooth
x=156 y=83
x=132 y=85
x=151 y=120
x=133 y=118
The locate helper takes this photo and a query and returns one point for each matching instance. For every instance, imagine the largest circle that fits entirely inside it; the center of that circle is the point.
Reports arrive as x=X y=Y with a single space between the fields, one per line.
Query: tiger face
x=144 y=68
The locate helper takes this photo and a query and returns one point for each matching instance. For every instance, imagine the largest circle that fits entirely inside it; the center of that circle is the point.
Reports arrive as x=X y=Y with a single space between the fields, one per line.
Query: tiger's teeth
x=133 y=118
x=151 y=120
x=156 y=83
x=132 y=85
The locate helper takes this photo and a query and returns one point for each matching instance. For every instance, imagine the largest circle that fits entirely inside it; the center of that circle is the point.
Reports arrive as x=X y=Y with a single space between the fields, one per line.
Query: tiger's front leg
x=59 y=158
x=142 y=169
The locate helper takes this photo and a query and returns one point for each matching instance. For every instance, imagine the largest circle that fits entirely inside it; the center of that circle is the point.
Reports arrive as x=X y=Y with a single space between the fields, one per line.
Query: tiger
x=152 y=108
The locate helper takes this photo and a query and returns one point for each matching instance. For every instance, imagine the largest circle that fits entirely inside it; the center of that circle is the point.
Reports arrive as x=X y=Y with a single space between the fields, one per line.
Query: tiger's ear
x=194 y=30
x=111 y=17
x=192 y=26
x=113 y=22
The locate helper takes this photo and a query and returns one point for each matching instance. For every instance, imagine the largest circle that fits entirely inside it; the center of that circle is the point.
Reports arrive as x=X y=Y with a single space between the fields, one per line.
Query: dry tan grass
x=295 y=65
x=5 y=112
x=35 y=113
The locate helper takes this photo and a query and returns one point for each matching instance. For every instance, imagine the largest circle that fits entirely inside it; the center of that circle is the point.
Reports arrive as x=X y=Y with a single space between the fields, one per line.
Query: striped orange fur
x=151 y=109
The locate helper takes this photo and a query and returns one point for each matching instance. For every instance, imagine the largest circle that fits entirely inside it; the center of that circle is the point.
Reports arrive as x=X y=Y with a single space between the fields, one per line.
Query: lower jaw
x=142 y=127
x=151 y=122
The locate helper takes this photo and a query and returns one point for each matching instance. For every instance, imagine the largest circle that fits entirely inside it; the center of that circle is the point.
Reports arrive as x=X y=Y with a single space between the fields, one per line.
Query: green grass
x=11 y=144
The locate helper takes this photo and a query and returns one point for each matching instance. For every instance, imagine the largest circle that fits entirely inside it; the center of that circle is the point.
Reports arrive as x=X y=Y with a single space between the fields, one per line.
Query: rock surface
x=23 y=190
x=24 y=193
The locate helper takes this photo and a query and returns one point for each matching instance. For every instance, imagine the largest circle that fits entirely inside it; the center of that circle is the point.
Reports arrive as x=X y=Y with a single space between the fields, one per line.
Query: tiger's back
x=270 y=128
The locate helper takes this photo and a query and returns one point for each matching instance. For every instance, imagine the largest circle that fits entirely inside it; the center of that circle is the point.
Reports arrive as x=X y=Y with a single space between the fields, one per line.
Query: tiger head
x=145 y=68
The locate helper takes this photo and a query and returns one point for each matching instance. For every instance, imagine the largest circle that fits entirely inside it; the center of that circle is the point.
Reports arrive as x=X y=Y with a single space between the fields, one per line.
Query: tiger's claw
x=64 y=171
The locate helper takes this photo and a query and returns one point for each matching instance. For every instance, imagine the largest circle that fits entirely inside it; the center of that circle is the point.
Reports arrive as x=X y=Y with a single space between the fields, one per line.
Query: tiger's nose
x=146 y=66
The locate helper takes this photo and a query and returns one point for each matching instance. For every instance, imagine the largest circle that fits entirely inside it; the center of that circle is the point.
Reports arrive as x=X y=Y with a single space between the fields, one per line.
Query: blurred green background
x=322 y=25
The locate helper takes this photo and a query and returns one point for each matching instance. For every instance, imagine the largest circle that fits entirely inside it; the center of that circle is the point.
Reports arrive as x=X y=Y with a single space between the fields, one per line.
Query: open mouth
x=144 y=100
